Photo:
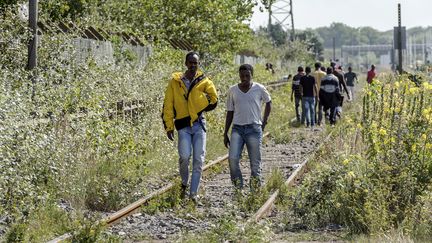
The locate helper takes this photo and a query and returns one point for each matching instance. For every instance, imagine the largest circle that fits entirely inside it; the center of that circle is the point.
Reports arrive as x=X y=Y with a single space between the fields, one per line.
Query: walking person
x=371 y=74
x=350 y=77
x=329 y=94
x=244 y=101
x=187 y=97
x=295 y=92
x=309 y=91
x=318 y=75
x=339 y=74
x=342 y=87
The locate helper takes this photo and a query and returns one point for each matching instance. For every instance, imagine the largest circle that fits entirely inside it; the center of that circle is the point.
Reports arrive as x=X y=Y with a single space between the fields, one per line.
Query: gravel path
x=217 y=197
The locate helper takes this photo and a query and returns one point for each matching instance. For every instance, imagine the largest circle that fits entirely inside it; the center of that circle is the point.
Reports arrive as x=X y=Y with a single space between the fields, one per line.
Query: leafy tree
x=62 y=9
x=5 y=3
x=313 y=42
x=278 y=34
x=212 y=26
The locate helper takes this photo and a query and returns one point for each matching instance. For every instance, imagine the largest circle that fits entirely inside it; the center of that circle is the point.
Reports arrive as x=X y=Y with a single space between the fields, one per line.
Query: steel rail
x=131 y=208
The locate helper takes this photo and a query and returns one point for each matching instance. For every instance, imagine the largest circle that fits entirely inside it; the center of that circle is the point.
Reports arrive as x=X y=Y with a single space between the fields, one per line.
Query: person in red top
x=371 y=74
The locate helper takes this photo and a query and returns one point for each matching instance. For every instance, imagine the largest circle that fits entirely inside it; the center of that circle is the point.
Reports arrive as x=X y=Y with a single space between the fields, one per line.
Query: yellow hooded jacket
x=181 y=106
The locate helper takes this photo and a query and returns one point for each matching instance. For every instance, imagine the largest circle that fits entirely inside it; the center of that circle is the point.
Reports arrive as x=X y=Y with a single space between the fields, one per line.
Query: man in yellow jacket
x=187 y=96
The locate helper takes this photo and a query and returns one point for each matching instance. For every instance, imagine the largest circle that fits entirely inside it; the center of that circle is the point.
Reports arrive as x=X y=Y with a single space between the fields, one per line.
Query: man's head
x=333 y=64
x=246 y=72
x=317 y=65
x=329 y=70
x=323 y=68
x=308 y=70
x=300 y=69
x=349 y=69
x=373 y=67
x=192 y=61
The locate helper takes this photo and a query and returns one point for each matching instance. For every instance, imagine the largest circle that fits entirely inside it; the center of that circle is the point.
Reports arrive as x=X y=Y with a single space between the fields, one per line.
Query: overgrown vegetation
x=374 y=177
x=61 y=139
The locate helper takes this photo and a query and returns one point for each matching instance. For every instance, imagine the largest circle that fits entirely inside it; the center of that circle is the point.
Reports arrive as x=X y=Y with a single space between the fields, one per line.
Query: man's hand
x=226 y=140
x=291 y=98
x=170 y=135
x=263 y=126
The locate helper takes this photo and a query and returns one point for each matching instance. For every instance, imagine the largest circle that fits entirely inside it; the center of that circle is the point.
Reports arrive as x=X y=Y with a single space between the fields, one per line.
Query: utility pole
x=269 y=19
x=32 y=45
x=400 y=69
x=292 y=22
x=334 y=49
x=424 y=49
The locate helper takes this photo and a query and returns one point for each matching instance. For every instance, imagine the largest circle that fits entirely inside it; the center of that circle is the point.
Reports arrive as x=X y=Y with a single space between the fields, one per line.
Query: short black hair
x=192 y=53
x=246 y=67
x=317 y=65
x=329 y=70
x=333 y=64
x=308 y=69
x=300 y=69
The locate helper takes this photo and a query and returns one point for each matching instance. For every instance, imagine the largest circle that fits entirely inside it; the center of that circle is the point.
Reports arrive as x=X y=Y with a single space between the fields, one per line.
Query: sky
x=379 y=14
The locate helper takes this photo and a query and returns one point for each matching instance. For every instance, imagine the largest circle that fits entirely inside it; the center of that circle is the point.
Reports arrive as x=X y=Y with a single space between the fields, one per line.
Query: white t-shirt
x=247 y=106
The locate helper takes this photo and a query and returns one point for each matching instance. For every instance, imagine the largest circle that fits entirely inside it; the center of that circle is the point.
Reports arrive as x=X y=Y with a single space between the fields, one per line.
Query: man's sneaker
x=183 y=191
x=194 y=199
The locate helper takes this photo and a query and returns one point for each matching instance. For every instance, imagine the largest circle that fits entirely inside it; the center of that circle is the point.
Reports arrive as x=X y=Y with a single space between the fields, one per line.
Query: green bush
x=376 y=173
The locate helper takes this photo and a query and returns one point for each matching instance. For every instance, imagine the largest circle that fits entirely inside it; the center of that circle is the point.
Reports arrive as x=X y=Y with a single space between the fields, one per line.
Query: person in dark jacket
x=309 y=91
x=297 y=94
x=329 y=94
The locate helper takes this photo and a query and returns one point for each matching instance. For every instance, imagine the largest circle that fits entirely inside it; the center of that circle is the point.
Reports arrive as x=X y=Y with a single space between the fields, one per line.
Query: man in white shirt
x=244 y=111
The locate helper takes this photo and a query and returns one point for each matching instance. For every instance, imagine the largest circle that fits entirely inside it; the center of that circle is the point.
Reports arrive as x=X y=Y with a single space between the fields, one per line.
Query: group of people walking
x=321 y=92
x=189 y=94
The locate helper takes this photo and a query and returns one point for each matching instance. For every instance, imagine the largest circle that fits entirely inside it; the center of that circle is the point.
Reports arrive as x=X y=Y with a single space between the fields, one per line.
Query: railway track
x=217 y=197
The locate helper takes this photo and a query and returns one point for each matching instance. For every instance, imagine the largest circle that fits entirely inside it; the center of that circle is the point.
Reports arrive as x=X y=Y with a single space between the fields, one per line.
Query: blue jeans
x=309 y=110
x=192 y=139
x=251 y=135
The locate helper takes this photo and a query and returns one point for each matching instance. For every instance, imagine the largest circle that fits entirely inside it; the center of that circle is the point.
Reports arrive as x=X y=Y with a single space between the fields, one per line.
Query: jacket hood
x=178 y=75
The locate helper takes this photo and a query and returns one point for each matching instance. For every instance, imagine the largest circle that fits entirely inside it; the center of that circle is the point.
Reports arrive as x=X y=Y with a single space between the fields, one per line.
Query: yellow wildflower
x=351 y=174
x=414 y=147
x=413 y=90
x=345 y=162
x=397 y=84
x=382 y=131
x=427 y=86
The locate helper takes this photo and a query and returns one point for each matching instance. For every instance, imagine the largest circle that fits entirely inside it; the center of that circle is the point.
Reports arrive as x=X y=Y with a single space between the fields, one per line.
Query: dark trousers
x=332 y=115
x=299 y=116
x=318 y=112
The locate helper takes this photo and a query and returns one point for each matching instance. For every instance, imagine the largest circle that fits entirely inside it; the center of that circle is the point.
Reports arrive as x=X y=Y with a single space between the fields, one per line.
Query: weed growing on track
x=100 y=161
x=374 y=176
x=92 y=162
x=228 y=229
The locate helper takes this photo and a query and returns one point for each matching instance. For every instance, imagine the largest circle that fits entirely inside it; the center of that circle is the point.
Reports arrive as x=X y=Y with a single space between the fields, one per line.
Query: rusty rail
x=297 y=174
x=131 y=208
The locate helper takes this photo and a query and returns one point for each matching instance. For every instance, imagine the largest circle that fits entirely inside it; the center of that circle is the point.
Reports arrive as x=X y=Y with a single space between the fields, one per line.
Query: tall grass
x=375 y=175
